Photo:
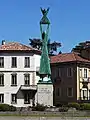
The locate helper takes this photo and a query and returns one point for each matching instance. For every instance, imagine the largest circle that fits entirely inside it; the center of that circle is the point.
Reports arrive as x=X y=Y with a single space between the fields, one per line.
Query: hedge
x=80 y=106
x=6 y=107
x=39 y=107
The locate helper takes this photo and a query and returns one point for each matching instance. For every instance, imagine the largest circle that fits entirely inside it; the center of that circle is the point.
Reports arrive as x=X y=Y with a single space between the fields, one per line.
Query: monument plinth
x=45 y=86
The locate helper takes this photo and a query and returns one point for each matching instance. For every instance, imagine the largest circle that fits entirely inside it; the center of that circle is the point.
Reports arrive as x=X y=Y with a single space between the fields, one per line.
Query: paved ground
x=39 y=118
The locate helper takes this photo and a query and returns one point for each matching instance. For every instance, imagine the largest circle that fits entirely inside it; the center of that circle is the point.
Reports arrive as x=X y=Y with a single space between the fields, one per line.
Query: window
x=1 y=62
x=69 y=72
x=27 y=61
x=55 y=72
x=1 y=79
x=26 y=98
x=58 y=72
x=85 y=85
x=80 y=72
x=14 y=62
x=26 y=79
x=14 y=79
x=1 y=98
x=70 y=92
x=13 y=98
x=85 y=73
x=58 y=91
x=85 y=94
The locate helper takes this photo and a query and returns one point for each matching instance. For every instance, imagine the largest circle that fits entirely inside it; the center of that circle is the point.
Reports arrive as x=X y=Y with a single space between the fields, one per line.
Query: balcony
x=86 y=80
x=28 y=87
x=84 y=99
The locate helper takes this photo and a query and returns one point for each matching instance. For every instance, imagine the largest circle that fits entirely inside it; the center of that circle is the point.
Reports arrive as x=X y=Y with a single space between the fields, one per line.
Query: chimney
x=3 y=42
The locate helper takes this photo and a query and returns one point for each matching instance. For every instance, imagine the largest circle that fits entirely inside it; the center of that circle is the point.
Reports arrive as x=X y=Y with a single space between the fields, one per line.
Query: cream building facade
x=19 y=65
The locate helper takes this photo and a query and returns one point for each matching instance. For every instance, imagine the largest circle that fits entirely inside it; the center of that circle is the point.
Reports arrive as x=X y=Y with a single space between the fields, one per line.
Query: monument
x=45 y=86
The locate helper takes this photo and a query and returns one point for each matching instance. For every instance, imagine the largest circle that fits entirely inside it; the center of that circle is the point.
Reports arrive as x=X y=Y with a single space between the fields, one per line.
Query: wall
x=64 y=82
x=81 y=78
x=37 y=66
x=20 y=62
x=7 y=89
x=78 y=83
x=45 y=94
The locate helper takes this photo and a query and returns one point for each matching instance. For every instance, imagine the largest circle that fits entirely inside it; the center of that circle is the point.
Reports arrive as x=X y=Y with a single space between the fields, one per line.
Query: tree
x=37 y=43
x=81 y=46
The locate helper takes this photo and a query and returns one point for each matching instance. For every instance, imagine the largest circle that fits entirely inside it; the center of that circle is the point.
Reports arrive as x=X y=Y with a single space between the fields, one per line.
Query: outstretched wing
x=47 y=9
x=41 y=9
x=44 y=11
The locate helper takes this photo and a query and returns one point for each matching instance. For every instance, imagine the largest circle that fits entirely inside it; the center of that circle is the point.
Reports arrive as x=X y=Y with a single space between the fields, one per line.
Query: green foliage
x=6 y=107
x=52 y=47
x=63 y=109
x=12 y=108
x=80 y=106
x=83 y=45
x=85 y=106
x=39 y=107
x=59 y=105
x=74 y=105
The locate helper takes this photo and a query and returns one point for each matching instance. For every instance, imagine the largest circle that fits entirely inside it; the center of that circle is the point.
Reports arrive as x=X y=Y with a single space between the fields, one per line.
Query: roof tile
x=15 y=46
x=68 y=57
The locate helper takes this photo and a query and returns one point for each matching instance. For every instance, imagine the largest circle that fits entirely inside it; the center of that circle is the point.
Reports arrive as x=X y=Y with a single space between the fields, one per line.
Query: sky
x=70 y=21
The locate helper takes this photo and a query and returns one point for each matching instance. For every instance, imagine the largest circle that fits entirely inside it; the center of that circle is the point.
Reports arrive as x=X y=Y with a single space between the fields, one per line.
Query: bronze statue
x=44 y=11
x=44 y=19
x=45 y=71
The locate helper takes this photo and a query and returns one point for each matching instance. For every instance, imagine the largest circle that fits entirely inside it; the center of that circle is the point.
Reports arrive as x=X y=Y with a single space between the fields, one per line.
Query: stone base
x=45 y=94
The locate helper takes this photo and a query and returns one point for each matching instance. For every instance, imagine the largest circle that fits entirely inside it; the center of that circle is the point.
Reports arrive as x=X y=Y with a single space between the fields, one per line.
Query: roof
x=15 y=46
x=68 y=57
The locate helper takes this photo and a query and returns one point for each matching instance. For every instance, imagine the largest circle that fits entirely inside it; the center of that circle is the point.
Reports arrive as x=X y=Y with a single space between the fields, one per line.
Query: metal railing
x=86 y=80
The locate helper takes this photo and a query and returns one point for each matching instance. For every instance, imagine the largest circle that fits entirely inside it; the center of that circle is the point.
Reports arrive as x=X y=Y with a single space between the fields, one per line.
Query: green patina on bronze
x=44 y=19
x=45 y=61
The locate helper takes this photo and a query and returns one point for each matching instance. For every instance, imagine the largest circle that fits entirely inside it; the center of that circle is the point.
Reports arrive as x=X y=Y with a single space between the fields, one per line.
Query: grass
x=43 y=115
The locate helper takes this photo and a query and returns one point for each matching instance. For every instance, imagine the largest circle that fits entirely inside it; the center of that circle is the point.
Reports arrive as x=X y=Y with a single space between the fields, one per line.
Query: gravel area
x=41 y=118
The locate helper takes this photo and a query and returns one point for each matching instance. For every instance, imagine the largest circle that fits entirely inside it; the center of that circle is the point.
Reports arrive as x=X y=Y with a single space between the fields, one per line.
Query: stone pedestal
x=45 y=93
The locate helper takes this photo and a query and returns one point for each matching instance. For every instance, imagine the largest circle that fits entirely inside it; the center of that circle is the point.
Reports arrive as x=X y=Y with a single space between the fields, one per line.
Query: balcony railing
x=86 y=80
x=28 y=87
x=84 y=99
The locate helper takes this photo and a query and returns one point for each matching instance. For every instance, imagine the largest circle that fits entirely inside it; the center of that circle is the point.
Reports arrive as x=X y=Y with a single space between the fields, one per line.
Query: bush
x=63 y=109
x=85 y=106
x=12 y=108
x=6 y=107
x=39 y=107
x=74 y=105
x=63 y=104
x=59 y=105
x=82 y=106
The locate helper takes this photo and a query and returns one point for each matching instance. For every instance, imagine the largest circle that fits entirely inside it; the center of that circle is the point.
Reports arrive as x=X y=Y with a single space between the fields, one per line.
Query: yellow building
x=71 y=77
